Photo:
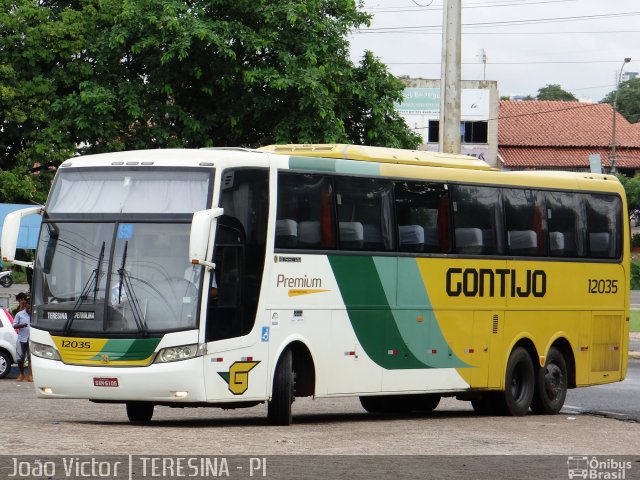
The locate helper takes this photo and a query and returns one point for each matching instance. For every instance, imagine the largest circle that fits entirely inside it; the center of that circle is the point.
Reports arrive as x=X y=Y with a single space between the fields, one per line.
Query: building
x=562 y=136
x=479 y=113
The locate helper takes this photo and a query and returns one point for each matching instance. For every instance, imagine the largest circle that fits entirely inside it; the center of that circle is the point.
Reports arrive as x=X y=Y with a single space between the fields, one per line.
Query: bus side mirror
x=201 y=227
x=10 y=232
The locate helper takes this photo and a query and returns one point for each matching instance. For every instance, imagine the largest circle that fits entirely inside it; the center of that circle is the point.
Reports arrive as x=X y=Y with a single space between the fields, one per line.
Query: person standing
x=22 y=322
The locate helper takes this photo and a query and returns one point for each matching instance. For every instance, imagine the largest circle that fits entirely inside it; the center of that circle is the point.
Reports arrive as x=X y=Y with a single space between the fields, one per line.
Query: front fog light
x=44 y=351
x=174 y=354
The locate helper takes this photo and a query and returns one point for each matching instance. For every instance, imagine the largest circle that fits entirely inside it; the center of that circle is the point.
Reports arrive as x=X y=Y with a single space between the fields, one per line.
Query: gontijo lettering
x=486 y=282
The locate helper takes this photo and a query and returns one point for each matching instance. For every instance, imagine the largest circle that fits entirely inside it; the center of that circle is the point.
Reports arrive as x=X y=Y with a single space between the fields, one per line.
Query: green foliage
x=635 y=240
x=104 y=75
x=628 y=103
x=555 y=92
x=635 y=274
x=632 y=189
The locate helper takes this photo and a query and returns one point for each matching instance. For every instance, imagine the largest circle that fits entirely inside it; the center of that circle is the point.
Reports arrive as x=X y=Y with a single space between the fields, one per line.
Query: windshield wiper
x=92 y=283
x=125 y=282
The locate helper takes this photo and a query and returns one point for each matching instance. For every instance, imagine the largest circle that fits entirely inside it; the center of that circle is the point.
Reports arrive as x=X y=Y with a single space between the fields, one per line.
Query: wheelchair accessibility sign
x=265 y=334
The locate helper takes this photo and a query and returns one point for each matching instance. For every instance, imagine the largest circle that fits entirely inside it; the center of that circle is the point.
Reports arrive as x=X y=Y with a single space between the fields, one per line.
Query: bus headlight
x=183 y=352
x=44 y=351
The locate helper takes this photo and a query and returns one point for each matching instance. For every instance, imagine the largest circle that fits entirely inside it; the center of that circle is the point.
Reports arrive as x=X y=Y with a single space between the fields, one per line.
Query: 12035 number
x=603 y=286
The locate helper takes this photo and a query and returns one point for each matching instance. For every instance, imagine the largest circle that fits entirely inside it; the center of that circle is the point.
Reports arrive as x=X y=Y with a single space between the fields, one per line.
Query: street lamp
x=612 y=155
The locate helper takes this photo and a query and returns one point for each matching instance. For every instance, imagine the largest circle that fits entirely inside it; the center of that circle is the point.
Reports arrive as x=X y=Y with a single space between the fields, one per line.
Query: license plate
x=105 y=382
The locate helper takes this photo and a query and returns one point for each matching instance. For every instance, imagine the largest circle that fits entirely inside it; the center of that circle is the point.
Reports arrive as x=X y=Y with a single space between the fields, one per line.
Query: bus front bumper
x=179 y=382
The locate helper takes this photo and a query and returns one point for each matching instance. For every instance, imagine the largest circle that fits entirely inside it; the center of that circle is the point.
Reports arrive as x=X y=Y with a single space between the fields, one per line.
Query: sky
x=528 y=44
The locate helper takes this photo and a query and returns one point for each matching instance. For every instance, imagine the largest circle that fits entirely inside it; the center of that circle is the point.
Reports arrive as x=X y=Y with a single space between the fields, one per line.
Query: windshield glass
x=122 y=190
x=115 y=277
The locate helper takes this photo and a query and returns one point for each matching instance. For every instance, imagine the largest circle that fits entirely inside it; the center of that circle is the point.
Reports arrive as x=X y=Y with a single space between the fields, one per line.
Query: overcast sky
x=578 y=44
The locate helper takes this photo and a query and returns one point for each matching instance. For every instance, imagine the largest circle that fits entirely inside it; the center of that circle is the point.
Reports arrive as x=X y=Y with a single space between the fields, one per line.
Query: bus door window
x=225 y=309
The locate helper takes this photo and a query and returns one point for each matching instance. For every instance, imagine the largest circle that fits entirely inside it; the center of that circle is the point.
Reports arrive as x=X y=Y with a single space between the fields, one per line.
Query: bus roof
x=380 y=154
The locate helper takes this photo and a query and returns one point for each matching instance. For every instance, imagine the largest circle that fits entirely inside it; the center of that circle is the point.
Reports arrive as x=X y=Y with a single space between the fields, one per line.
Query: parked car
x=8 y=339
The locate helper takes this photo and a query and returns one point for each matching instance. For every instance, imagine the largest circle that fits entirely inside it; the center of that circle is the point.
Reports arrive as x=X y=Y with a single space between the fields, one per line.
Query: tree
x=632 y=189
x=628 y=103
x=555 y=92
x=104 y=75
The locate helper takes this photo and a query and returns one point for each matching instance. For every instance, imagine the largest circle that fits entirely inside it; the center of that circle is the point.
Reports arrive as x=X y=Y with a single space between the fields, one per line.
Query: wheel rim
x=518 y=382
x=553 y=381
x=3 y=364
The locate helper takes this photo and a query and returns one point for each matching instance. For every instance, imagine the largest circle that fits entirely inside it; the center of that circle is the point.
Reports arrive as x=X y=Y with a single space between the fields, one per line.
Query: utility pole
x=450 y=91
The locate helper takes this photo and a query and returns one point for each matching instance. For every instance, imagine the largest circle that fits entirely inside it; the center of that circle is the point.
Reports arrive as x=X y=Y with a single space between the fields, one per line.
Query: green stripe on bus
x=393 y=338
x=129 y=349
x=334 y=166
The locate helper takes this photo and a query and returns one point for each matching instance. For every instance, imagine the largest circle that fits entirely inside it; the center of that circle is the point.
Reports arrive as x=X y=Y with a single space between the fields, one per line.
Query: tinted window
x=422 y=212
x=603 y=214
x=305 y=217
x=477 y=219
x=565 y=224
x=365 y=219
x=524 y=222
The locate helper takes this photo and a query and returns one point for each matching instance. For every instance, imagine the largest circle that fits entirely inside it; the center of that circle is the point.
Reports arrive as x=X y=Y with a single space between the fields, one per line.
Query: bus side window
x=477 y=216
x=604 y=225
x=365 y=214
x=305 y=216
x=565 y=225
x=524 y=222
x=422 y=212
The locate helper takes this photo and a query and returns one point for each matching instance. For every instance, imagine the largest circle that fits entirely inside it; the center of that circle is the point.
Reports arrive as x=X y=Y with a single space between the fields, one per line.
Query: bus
x=234 y=277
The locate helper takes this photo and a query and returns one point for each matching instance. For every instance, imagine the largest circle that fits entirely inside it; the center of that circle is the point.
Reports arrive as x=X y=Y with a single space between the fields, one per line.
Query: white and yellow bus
x=232 y=277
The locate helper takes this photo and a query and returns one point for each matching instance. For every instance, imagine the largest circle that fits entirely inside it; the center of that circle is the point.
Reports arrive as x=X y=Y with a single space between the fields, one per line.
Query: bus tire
x=384 y=404
x=425 y=403
x=283 y=394
x=551 y=384
x=519 y=383
x=487 y=403
x=139 y=412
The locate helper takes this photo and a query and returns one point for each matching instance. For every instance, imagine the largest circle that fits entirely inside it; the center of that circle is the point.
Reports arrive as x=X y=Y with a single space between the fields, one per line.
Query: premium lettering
x=298 y=282
x=499 y=282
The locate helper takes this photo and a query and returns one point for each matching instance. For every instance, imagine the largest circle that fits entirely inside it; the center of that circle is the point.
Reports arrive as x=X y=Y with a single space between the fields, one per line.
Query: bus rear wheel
x=519 y=383
x=283 y=394
x=139 y=412
x=551 y=384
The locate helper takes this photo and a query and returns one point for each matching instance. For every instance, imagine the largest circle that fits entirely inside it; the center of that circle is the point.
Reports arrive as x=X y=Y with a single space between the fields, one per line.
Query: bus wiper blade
x=92 y=283
x=125 y=282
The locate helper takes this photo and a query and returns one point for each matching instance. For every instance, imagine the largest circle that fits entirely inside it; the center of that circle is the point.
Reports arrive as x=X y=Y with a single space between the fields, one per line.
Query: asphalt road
x=615 y=400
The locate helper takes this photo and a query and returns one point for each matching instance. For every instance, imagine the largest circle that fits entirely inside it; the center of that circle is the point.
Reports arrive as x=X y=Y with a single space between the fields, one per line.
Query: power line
x=543 y=62
x=504 y=22
x=510 y=3
x=584 y=32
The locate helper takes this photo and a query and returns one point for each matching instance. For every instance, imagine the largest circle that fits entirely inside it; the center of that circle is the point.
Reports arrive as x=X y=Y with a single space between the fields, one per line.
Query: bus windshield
x=113 y=251
x=115 y=277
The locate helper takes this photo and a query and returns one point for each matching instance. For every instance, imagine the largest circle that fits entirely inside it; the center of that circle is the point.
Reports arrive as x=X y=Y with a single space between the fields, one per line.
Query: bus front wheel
x=519 y=383
x=283 y=394
x=139 y=412
x=551 y=384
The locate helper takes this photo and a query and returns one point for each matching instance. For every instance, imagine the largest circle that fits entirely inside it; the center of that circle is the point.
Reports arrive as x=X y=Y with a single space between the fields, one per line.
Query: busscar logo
x=283 y=259
x=238 y=376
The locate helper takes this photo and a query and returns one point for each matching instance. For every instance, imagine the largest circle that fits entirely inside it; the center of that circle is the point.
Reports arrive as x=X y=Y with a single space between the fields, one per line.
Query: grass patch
x=634 y=321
